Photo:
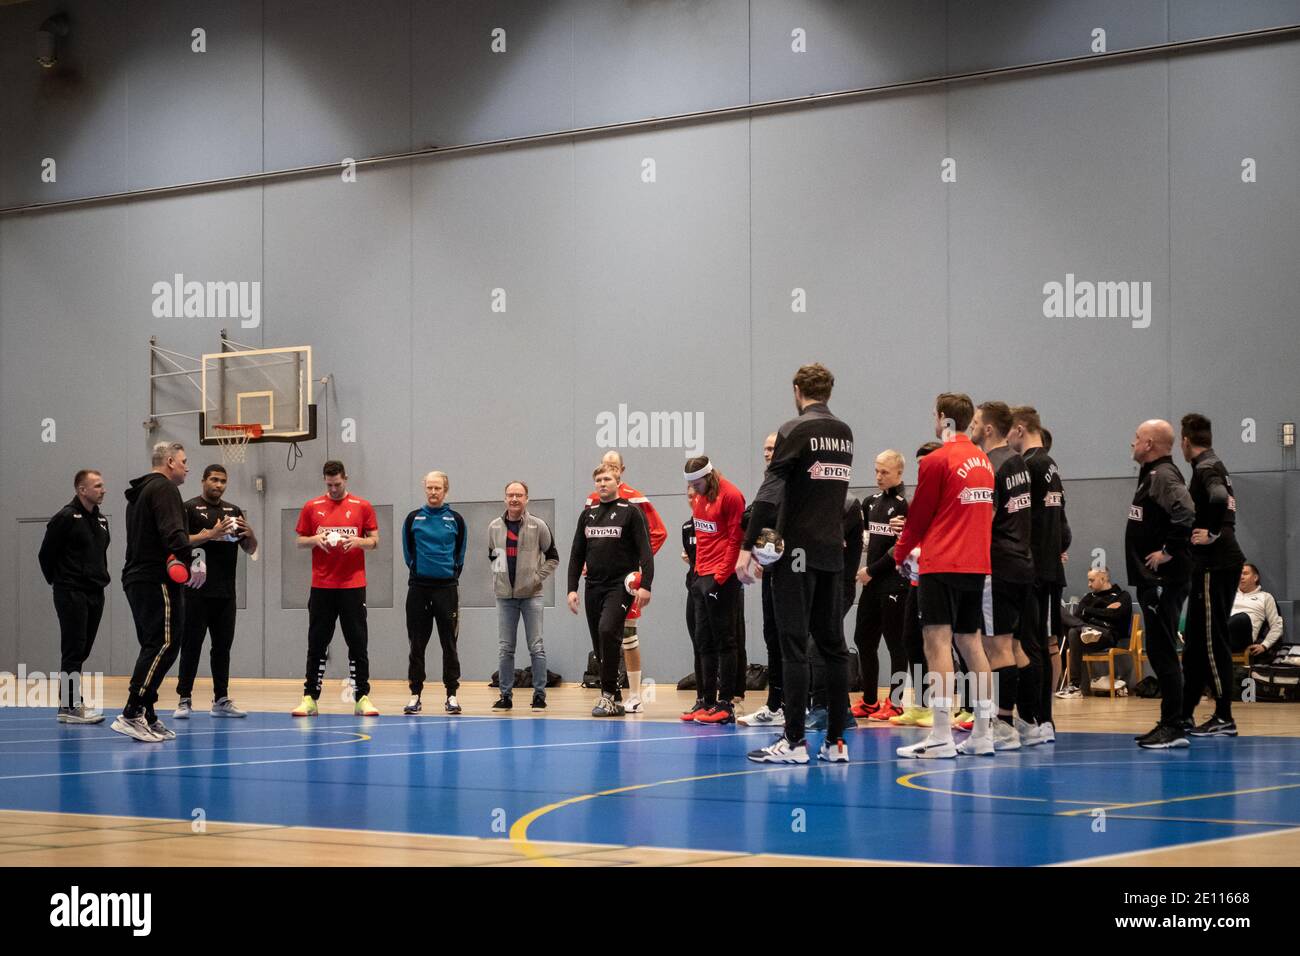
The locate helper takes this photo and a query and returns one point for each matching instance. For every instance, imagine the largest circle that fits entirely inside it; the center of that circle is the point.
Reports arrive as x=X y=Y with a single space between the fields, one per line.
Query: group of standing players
x=973 y=563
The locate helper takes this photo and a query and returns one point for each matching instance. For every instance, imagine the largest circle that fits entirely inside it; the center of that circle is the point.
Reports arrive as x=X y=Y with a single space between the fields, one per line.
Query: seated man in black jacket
x=1104 y=619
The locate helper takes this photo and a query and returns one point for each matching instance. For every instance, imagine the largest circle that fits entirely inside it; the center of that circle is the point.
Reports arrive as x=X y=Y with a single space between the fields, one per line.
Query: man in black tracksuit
x=1049 y=540
x=770 y=713
x=880 y=606
x=802 y=498
x=74 y=560
x=1011 y=560
x=1156 y=542
x=612 y=540
x=221 y=529
x=1216 y=571
x=817 y=702
x=156 y=531
x=1107 y=609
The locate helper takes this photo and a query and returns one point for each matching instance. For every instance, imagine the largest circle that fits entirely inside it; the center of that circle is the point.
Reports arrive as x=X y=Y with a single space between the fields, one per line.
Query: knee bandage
x=630 y=641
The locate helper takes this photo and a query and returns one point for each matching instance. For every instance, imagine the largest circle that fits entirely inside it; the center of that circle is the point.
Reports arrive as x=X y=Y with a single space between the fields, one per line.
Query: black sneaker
x=1185 y=723
x=1216 y=726
x=1164 y=737
x=539 y=701
x=503 y=703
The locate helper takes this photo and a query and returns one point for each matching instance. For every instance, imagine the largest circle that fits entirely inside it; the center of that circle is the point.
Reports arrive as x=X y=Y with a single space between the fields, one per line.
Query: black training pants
x=1161 y=605
x=79 y=616
x=772 y=640
x=1207 y=649
x=607 y=607
x=809 y=602
x=159 y=613
x=347 y=606
x=203 y=614
x=715 y=624
x=879 y=613
x=426 y=606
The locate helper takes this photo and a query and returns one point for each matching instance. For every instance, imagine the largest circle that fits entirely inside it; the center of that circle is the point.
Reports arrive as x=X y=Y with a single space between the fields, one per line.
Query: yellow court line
x=1168 y=800
x=519 y=830
x=1110 y=808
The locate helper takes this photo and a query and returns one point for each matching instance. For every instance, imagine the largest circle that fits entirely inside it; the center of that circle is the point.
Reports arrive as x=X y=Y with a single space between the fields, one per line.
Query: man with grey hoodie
x=522 y=550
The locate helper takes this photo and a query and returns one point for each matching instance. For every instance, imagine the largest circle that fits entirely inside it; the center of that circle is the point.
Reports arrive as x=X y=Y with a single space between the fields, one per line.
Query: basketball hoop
x=234 y=439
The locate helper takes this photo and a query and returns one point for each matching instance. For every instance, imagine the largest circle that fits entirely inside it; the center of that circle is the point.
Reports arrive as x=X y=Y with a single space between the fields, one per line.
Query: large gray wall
x=674 y=295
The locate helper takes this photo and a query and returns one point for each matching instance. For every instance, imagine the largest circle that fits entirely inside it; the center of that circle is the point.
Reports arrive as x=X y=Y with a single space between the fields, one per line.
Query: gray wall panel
x=1233 y=244
x=847 y=205
x=633 y=60
x=464 y=92
x=1202 y=18
x=1040 y=197
x=995 y=33
x=338 y=80
x=848 y=44
x=75 y=113
x=193 y=116
x=662 y=297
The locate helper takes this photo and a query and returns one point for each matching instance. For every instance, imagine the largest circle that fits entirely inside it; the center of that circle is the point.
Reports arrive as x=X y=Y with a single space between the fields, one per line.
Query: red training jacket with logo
x=951 y=513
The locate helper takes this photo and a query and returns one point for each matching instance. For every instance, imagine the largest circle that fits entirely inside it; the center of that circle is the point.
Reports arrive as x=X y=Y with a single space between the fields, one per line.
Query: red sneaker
x=717 y=714
x=863 y=709
x=885 y=711
x=696 y=710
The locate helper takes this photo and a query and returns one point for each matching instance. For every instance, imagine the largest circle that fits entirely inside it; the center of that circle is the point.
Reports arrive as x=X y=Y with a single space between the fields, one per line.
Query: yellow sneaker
x=909 y=717
x=962 y=717
x=307 y=708
x=925 y=718
x=364 y=708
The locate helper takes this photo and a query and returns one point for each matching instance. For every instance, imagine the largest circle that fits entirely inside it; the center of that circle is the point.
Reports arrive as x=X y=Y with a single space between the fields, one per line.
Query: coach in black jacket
x=74 y=560
x=156 y=531
x=1156 y=544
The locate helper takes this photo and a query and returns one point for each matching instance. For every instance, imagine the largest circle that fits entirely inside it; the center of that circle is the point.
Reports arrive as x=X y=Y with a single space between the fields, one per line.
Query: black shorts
x=956 y=600
x=1009 y=599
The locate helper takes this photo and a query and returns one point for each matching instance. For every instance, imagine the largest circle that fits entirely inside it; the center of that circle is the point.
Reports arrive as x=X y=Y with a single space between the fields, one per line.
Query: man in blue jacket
x=433 y=543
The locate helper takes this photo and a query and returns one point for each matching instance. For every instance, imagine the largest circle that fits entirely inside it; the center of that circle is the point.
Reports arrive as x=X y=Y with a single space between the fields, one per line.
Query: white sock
x=984 y=712
x=942 y=729
x=634 y=682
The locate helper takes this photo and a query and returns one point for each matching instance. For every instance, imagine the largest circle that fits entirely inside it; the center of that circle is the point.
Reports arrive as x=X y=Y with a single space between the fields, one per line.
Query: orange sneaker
x=886 y=711
x=863 y=709
x=697 y=709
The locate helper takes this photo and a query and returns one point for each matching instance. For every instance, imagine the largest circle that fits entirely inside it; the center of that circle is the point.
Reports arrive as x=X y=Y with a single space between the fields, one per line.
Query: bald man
x=1156 y=544
x=433 y=544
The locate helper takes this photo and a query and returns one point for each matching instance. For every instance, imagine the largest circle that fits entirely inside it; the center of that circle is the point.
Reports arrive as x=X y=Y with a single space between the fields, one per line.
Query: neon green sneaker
x=364 y=708
x=962 y=716
x=910 y=717
x=307 y=708
x=925 y=718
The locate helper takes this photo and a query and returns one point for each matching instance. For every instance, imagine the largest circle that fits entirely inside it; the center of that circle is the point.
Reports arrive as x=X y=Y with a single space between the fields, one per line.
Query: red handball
x=176 y=570
x=632 y=582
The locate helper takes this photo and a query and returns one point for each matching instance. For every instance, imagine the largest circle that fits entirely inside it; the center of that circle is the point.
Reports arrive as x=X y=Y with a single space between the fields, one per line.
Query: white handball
x=768 y=547
x=333 y=539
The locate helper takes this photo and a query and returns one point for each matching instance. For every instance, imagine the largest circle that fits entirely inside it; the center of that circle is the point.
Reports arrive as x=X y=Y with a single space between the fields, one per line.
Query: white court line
x=187 y=734
x=1175 y=846
x=408 y=753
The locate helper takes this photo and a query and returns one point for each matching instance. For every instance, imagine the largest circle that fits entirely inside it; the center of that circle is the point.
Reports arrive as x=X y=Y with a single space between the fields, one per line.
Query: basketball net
x=234 y=439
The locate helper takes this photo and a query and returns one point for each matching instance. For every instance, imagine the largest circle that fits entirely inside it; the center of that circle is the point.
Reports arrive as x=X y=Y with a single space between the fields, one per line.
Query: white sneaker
x=1005 y=737
x=1069 y=693
x=1028 y=733
x=762 y=718
x=780 y=752
x=974 y=746
x=81 y=714
x=162 y=731
x=225 y=707
x=633 y=706
x=931 y=748
x=137 y=728
x=1046 y=733
x=183 y=710
x=833 y=752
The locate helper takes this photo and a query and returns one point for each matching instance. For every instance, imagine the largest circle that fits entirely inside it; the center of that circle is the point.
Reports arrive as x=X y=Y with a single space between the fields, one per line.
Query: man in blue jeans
x=522 y=550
